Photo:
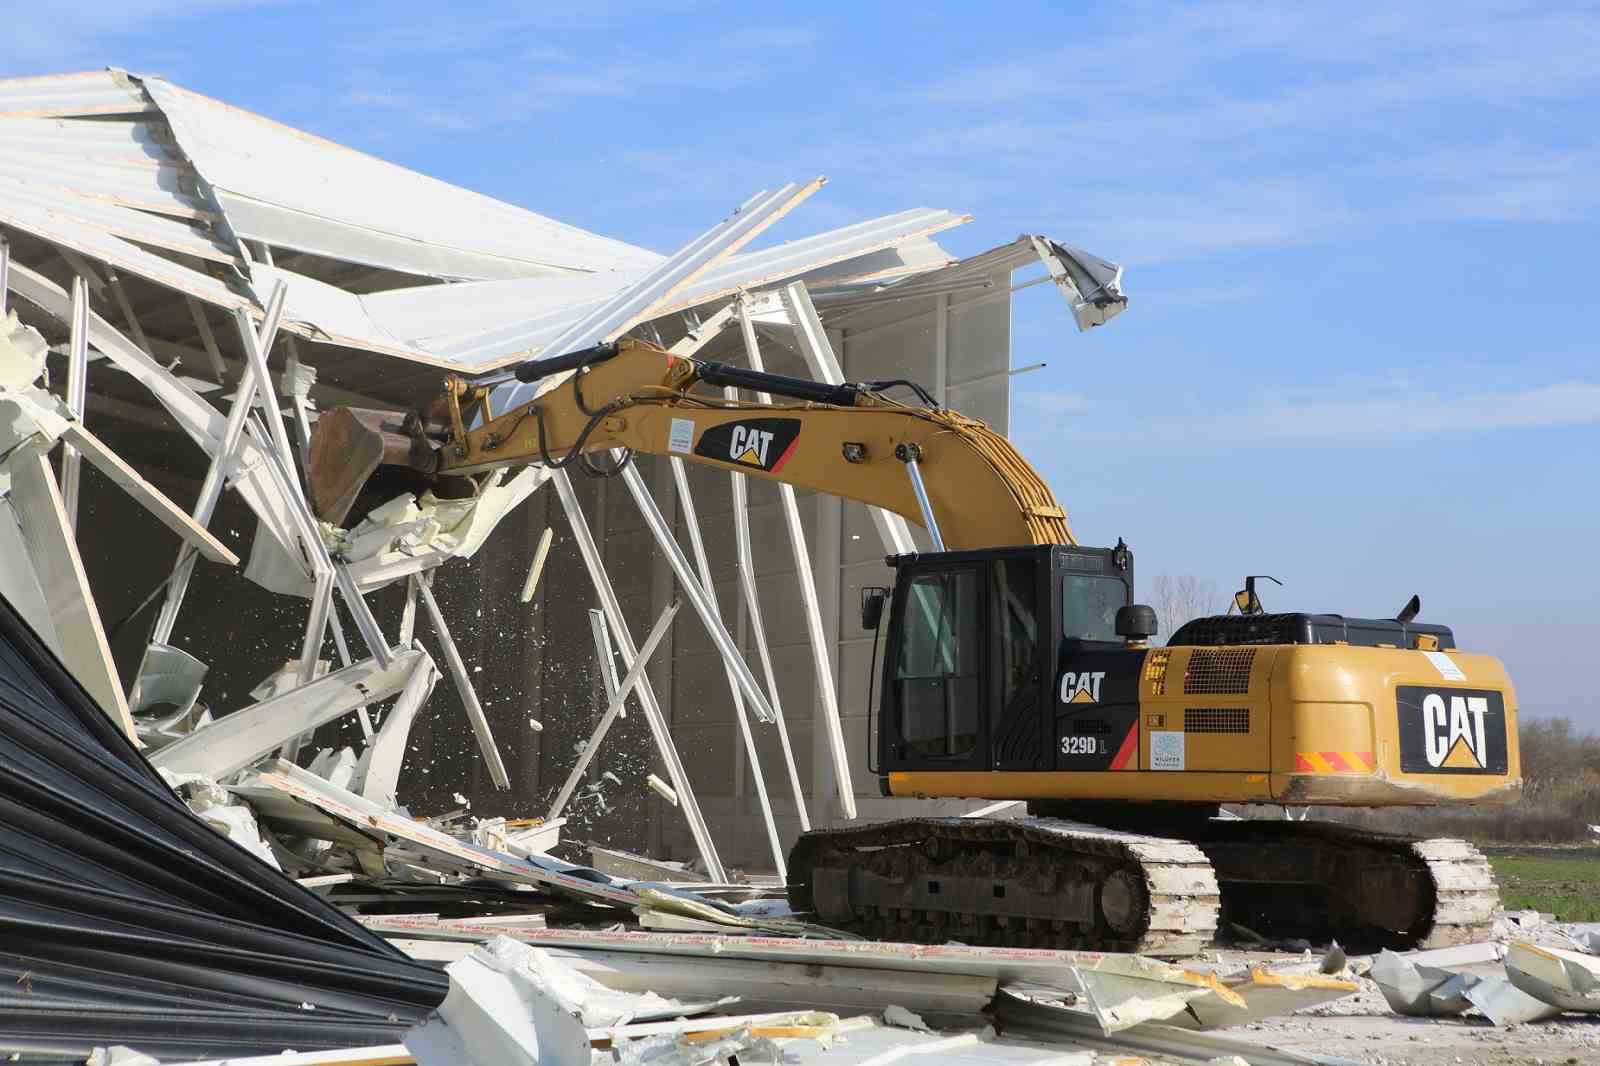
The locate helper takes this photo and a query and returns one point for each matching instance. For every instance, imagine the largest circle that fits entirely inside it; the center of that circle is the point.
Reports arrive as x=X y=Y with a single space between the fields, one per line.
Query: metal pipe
x=77 y=396
x=923 y=502
x=216 y=474
x=815 y=343
x=469 y=696
x=697 y=545
x=618 y=695
x=5 y=274
x=699 y=598
x=647 y=696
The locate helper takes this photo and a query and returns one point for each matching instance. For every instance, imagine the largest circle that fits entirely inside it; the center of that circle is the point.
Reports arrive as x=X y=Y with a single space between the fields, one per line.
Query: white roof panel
x=295 y=190
x=94 y=92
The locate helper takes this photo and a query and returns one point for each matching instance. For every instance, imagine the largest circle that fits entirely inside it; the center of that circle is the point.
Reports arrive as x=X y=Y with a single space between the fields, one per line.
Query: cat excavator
x=1017 y=665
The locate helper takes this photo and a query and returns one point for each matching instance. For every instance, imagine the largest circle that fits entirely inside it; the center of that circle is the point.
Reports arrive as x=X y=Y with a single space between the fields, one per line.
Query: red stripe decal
x=1130 y=744
x=784 y=458
x=1303 y=764
x=1366 y=757
x=1337 y=761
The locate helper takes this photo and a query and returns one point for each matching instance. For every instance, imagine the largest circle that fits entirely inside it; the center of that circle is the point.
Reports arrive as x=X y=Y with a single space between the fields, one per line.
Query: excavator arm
x=849 y=440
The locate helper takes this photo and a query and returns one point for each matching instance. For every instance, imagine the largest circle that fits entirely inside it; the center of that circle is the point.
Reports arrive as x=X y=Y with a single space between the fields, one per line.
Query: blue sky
x=1361 y=351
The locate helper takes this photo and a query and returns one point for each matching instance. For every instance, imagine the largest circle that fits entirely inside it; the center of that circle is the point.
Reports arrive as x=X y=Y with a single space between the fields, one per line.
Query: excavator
x=1017 y=666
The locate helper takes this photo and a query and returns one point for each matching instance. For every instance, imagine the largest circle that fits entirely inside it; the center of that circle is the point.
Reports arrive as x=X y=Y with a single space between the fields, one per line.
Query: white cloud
x=1401 y=406
x=52 y=38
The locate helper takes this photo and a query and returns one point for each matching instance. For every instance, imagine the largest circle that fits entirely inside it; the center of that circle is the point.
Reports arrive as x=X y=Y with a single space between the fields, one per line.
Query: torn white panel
x=204 y=424
x=438 y=846
x=1418 y=990
x=295 y=190
x=1566 y=979
x=168 y=687
x=379 y=772
x=236 y=740
x=93 y=92
x=409 y=535
x=581 y=996
x=219 y=809
x=52 y=554
x=1503 y=1003
x=491 y=1018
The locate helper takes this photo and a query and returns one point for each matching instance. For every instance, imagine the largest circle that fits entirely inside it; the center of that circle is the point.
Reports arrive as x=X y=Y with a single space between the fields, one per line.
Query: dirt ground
x=1387 y=1039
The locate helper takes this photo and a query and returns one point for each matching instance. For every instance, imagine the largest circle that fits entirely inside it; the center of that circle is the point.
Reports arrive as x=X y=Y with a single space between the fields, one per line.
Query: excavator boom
x=849 y=441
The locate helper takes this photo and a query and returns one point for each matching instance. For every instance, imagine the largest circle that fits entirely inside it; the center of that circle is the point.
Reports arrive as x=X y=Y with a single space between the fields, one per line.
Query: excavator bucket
x=348 y=447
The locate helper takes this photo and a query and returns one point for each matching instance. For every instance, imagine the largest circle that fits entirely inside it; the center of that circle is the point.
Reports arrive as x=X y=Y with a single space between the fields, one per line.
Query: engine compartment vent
x=1219 y=671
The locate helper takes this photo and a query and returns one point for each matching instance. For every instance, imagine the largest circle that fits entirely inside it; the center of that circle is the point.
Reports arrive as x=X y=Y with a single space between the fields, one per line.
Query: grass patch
x=1560 y=881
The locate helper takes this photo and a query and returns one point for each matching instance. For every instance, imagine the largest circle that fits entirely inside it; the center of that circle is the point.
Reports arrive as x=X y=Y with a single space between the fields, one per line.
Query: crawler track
x=1046 y=882
x=1034 y=882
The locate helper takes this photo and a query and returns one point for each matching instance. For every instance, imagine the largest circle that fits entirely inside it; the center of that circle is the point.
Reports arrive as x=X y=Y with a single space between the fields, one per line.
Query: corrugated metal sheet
x=295 y=190
x=480 y=326
x=771 y=265
x=95 y=92
x=61 y=228
x=121 y=163
x=124 y=919
x=616 y=315
x=156 y=231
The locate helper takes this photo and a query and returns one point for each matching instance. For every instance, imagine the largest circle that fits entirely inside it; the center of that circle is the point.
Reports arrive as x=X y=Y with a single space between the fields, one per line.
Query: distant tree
x=1178 y=599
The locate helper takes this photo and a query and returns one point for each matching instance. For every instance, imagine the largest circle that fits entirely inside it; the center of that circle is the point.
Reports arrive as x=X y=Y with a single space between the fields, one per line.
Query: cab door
x=934 y=696
x=1020 y=728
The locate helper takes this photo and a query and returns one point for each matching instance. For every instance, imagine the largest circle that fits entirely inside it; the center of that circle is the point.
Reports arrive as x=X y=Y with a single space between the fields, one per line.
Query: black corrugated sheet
x=124 y=919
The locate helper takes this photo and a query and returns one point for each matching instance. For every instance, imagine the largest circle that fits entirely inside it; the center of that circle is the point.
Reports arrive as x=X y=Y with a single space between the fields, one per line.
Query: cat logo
x=1453 y=732
x=761 y=443
x=1081 y=687
x=749 y=445
x=1448 y=730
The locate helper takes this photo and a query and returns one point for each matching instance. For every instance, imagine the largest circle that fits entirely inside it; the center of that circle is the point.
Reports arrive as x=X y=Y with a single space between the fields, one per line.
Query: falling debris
x=662 y=789
x=540 y=553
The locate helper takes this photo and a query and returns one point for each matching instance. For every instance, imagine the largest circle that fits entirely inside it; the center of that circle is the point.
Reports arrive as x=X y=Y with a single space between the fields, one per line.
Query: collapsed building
x=660 y=673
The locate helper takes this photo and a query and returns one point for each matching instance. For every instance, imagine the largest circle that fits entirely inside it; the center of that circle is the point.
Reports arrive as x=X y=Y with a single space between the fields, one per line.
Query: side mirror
x=1136 y=622
x=1246 y=602
x=872 y=601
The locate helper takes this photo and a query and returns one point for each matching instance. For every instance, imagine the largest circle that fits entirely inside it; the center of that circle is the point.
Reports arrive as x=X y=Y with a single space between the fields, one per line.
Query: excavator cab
x=978 y=642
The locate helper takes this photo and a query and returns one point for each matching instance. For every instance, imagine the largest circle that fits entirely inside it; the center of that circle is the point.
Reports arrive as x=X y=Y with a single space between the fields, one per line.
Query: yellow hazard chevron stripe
x=1334 y=762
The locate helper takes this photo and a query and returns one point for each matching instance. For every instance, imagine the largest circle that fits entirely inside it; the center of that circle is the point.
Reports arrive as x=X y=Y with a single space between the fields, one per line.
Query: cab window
x=1089 y=606
x=936 y=666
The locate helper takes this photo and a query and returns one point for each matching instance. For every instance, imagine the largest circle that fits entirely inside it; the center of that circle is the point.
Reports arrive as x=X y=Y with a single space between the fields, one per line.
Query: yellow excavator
x=1017 y=666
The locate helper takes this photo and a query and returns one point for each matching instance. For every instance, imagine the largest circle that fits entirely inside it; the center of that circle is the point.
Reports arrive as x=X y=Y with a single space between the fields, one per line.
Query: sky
x=1360 y=352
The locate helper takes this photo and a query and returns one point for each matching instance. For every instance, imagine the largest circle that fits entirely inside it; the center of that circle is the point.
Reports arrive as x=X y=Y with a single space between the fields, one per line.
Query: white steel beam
x=217 y=474
x=53 y=554
x=647 y=696
x=824 y=364
x=155 y=501
x=386 y=752
x=699 y=597
x=697 y=545
x=614 y=317
x=747 y=580
x=617 y=695
x=821 y=656
x=606 y=651
x=77 y=396
x=207 y=339
x=469 y=695
x=5 y=275
x=236 y=740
